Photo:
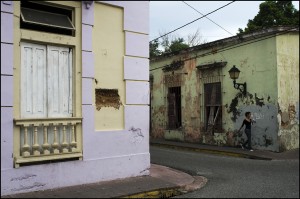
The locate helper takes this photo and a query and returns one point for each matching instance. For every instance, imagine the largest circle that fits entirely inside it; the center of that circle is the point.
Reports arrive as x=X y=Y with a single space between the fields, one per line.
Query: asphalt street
x=231 y=177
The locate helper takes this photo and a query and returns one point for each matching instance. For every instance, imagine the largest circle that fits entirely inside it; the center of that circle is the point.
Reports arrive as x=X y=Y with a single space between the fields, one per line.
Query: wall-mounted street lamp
x=234 y=74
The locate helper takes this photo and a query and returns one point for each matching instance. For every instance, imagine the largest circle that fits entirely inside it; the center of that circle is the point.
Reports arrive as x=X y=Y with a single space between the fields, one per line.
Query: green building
x=194 y=99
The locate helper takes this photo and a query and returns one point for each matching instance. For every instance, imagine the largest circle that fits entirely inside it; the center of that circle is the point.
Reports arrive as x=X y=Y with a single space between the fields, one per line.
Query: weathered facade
x=193 y=98
x=74 y=107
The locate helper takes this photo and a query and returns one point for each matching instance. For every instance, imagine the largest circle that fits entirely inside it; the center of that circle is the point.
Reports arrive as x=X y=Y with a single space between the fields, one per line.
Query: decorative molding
x=211 y=65
x=175 y=65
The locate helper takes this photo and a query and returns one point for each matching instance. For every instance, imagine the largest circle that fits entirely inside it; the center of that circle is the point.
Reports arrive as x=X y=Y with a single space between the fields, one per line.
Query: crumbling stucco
x=288 y=133
x=289 y=138
x=107 y=98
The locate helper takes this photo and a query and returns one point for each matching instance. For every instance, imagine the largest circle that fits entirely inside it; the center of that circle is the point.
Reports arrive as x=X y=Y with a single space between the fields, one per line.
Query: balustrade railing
x=47 y=139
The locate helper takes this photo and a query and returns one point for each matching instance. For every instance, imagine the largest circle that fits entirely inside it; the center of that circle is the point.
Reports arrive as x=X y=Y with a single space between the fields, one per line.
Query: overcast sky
x=166 y=16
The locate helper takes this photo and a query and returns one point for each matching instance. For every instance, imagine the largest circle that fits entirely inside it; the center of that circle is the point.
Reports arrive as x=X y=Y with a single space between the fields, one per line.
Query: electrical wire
x=192 y=21
x=229 y=48
x=207 y=17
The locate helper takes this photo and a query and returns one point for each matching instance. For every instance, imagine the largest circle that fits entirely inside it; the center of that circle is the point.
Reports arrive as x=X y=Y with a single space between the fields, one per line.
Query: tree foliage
x=273 y=13
x=153 y=48
x=171 y=43
x=176 y=45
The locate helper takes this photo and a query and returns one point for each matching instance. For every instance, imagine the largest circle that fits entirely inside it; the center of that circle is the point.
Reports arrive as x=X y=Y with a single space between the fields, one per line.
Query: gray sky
x=166 y=16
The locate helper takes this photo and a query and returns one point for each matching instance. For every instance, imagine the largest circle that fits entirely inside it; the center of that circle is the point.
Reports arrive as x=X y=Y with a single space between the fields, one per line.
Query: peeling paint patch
x=107 y=98
x=220 y=138
x=233 y=107
x=284 y=119
x=268 y=141
x=292 y=113
x=259 y=101
x=27 y=176
x=289 y=138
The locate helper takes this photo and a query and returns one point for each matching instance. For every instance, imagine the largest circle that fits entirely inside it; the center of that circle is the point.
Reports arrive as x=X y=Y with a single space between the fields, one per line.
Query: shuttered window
x=213 y=107
x=46 y=81
x=174 y=107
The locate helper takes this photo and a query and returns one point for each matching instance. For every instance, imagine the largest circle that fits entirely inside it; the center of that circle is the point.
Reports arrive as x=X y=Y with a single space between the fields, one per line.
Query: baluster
x=46 y=145
x=36 y=145
x=64 y=143
x=26 y=146
x=55 y=143
x=73 y=143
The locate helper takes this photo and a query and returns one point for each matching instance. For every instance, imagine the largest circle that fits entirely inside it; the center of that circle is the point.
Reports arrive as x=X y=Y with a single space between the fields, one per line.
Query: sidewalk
x=229 y=151
x=163 y=182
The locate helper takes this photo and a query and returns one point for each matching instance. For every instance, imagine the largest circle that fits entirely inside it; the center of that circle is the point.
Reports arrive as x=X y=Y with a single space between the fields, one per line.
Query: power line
x=192 y=21
x=206 y=17
x=226 y=48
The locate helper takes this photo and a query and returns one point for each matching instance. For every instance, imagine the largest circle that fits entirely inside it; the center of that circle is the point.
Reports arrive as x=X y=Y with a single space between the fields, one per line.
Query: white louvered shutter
x=33 y=81
x=59 y=79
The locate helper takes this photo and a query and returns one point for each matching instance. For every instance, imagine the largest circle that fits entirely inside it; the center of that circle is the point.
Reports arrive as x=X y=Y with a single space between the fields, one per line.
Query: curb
x=157 y=193
x=210 y=151
x=199 y=182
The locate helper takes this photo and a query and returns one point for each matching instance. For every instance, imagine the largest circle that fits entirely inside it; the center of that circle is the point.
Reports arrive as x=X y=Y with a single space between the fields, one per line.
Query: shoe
x=242 y=146
x=251 y=149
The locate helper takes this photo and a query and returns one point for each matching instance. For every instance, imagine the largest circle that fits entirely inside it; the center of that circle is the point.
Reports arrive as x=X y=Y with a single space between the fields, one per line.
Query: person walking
x=247 y=122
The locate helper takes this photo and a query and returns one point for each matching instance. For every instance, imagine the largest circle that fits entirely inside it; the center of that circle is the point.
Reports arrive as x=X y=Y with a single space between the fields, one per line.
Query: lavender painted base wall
x=6 y=139
x=34 y=178
x=107 y=156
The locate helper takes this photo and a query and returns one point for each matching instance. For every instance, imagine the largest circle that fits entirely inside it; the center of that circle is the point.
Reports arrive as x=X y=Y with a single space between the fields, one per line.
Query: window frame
x=174 y=93
x=45 y=24
x=47 y=79
x=215 y=105
x=54 y=9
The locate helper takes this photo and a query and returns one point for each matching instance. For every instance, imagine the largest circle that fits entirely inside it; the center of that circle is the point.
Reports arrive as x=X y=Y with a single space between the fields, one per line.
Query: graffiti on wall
x=265 y=128
x=258 y=116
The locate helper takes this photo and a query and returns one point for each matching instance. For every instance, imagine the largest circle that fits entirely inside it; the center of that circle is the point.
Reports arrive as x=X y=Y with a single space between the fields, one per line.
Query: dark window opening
x=213 y=107
x=174 y=107
x=46 y=18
